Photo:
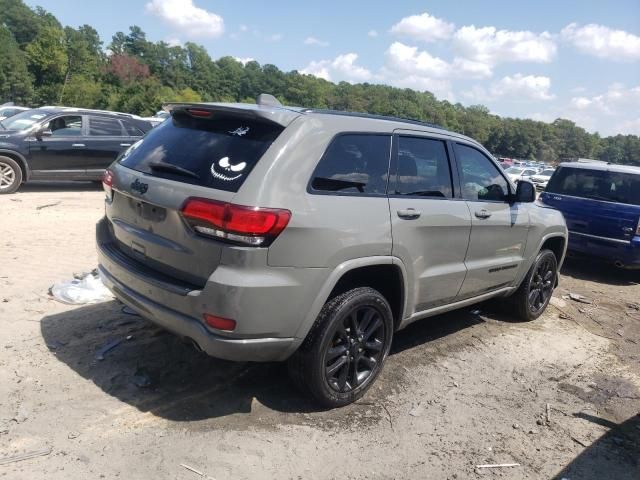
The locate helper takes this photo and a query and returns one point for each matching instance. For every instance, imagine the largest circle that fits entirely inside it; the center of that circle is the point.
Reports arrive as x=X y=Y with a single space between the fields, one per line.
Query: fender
x=553 y=234
x=336 y=274
x=21 y=160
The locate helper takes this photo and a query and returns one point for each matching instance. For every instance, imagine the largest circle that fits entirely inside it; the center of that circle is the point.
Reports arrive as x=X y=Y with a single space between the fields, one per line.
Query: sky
x=539 y=59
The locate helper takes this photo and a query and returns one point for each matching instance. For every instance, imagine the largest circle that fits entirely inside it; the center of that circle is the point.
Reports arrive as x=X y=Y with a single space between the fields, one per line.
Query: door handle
x=125 y=144
x=483 y=214
x=78 y=145
x=627 y=229
x=409 y=213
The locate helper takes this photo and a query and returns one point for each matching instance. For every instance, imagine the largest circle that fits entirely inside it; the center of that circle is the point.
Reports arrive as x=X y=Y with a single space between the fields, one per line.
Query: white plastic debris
x=81 y=291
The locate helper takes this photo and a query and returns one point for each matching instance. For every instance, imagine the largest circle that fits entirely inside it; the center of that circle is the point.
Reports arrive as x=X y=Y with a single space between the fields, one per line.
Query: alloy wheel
x=7 y=176
x=541 y=285
x=356 y=349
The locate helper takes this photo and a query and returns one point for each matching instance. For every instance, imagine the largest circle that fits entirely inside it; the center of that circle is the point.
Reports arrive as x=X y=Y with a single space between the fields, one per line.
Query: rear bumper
x=252 y=349
x=267 y=303
x=624 y=253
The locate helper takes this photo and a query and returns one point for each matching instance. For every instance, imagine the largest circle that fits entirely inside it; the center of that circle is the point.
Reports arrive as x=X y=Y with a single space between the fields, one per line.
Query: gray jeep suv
x=266 y=233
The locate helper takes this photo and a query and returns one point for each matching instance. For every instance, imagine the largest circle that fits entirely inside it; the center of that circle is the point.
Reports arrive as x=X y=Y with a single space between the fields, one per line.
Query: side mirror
x=44 y=132
x=525 y=192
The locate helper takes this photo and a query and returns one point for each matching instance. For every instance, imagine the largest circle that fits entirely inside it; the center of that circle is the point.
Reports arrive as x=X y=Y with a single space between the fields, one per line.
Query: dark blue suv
x=601 y=205
x=62 y=143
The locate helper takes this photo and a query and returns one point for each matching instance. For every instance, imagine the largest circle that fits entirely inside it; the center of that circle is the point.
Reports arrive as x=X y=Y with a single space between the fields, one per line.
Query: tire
x=540 y=278
x=10 y=175
x=337 y=363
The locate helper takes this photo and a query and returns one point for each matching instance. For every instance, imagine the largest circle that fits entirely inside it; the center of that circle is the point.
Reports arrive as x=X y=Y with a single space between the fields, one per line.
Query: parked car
x=58 y=143
x=601 y=204
x=540 y=180
x=7 y=111
x=157 y=118
x=520 y=173
x=264 y=233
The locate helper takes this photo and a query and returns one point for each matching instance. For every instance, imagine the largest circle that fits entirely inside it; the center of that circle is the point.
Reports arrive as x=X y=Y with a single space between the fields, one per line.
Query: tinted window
x=104 y=127
x=219 y=152
x=67 y=126
x=423 y=168
x=24 y=120
x=132 y=130
x=596 y=185
x=481 y=179
x=354 y=163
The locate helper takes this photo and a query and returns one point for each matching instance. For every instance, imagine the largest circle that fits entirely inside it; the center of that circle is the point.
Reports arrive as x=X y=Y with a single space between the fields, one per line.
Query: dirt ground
x=559 y=396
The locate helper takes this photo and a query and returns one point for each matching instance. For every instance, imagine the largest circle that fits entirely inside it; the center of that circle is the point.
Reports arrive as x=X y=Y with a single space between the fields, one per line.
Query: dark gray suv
x=267 y=233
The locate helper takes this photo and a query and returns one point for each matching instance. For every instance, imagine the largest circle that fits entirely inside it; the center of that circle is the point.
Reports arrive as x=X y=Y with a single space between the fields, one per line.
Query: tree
x=15 y=81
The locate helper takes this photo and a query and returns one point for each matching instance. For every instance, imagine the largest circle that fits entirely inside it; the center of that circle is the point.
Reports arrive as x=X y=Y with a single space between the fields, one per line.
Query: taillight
x=107 y=183
x=638 y=228
x=246 y=225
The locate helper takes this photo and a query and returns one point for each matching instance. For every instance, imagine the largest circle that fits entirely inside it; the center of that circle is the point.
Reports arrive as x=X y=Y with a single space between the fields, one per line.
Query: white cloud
x=243 y=28
x=616 y=100
x=491 y=46
x=343 y=67
x=526 y=87
x=628 y=127
x=276 y=37
x=244 y=60
x=405 y=59
x=184 y=16
x=424 y=27
x=603 y=42
x=315 y=41
x=372 y=33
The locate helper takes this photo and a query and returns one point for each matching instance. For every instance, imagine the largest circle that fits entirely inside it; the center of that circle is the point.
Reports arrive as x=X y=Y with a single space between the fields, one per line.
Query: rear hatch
x=596 y=202
x=201 y=152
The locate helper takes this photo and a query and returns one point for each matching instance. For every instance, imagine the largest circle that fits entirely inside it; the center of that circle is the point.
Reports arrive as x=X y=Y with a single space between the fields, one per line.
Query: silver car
x=270 y=233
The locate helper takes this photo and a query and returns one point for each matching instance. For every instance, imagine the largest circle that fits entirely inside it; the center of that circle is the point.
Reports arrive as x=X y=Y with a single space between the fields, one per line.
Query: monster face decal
x=226 y=171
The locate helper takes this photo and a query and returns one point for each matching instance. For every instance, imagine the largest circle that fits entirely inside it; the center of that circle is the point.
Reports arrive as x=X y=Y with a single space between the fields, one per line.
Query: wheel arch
x=22 y=162
x=385 y=274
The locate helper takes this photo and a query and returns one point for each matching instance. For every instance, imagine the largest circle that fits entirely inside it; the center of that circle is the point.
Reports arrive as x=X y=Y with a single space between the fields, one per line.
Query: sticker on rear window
x=223 y=169
x=240 y=131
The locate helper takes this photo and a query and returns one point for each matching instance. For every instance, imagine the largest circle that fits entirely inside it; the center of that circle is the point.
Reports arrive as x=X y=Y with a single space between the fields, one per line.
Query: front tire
x=10 y=175
x=345 y=350
x=533 y=296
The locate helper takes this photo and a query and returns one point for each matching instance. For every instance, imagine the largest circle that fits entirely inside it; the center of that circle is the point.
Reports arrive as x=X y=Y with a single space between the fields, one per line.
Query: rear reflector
x=220 y=323
x=107 y=183
x=247 y=225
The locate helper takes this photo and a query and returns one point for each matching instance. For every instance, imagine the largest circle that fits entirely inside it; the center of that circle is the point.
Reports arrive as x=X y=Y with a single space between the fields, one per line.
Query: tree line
x=43 y=62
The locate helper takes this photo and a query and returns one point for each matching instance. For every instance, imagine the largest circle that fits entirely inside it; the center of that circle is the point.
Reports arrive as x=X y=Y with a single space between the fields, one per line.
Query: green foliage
x=43 y=63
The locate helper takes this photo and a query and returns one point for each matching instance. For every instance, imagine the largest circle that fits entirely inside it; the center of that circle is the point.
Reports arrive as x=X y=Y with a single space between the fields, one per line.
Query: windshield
x=547 y=173
x=514 y=171
x=597 y=185
x=24 y=120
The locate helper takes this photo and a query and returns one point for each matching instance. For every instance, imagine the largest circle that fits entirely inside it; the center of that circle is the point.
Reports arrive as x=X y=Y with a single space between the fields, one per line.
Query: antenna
x=264 y=99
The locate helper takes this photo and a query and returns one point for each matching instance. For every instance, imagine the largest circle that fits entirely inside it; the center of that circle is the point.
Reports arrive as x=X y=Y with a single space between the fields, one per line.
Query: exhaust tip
x=193 y=343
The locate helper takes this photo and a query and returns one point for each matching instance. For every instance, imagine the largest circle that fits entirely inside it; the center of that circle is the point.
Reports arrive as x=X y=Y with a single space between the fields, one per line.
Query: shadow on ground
x=42 y=186
x=615 y=455
x=594 y=270
x=183 y=384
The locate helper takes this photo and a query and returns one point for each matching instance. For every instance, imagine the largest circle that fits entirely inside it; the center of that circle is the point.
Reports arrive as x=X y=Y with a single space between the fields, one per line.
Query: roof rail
x=373 y=117
x=90 y=110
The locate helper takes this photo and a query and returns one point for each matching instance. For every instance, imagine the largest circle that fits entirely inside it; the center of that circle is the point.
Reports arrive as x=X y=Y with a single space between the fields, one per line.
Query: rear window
x=596 y=185
x=217 y=153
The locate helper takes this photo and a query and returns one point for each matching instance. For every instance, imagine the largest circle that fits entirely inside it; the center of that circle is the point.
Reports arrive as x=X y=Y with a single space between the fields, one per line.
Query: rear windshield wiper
x=334 y=184
x=170 y=167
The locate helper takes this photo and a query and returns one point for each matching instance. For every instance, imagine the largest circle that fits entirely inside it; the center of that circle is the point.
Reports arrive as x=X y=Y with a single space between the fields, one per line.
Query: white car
x=7 y=111
x=541 y=179
x=519 y=173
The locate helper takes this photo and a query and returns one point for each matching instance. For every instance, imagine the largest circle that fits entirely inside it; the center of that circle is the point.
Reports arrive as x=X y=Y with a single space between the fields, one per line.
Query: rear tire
x=533 y=296
x=345 y=350
x=10 y=175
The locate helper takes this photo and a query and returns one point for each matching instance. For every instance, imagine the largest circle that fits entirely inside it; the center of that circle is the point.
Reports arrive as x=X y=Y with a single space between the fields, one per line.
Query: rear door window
x=423 y=168
x=132 y=130
x=218 y=153
x=354 y=163
x=596 y=185
x=104 y=127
